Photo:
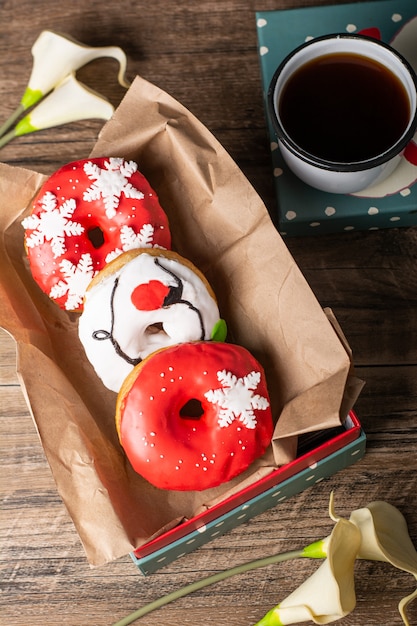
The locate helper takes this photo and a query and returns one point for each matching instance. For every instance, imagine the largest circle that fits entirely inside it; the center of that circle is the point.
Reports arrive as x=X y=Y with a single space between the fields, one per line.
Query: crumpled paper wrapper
x=218 y=222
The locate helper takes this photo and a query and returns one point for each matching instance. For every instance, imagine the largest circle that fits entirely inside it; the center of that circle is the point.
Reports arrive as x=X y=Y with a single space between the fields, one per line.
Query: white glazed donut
x=143 y=301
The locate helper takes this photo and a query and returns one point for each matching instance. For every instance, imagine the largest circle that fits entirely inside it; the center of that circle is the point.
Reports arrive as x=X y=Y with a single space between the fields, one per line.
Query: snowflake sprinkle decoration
x=110 y=183
x=131 y=240
x=236 y=398
x=52 y=224
x=75 y=282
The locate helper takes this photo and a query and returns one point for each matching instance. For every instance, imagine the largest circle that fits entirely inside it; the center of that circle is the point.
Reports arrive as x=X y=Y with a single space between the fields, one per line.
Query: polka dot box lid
x=302 y=209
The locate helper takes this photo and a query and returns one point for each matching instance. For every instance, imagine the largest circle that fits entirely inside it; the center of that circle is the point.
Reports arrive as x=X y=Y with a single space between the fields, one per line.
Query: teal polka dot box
x=302 y=210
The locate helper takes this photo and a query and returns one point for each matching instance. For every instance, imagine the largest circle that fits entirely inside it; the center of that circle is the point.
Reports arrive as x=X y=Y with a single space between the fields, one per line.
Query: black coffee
x=344 y=107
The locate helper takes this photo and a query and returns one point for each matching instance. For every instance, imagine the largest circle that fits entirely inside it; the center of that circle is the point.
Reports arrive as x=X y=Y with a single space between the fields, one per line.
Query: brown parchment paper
x=218 y=222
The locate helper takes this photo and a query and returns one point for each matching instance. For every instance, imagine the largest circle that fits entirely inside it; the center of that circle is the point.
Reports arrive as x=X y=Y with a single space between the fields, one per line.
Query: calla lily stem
x=11 y=120
x=5 y=139
x=210 y=580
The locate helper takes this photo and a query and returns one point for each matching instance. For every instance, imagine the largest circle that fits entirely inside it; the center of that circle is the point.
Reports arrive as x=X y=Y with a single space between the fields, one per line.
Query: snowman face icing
x=151 y=302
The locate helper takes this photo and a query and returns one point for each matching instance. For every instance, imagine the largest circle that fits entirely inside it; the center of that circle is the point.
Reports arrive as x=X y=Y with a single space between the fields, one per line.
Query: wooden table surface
x=205 y=55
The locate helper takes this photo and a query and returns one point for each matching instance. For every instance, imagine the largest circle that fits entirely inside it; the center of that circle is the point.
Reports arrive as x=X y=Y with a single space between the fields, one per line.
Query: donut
x=195 y=415
x=85 y=215
x=144 y=300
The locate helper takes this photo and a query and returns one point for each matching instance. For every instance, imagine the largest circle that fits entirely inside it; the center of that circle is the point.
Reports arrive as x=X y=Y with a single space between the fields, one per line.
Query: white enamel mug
x=339 y=176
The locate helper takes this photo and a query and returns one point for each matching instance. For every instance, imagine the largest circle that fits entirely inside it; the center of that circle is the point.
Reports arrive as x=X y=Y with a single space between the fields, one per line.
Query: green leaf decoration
x=219 y=331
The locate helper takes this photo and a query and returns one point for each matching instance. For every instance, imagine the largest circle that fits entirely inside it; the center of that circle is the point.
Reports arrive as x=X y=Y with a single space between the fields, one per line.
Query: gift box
x=220 y=224
x=301 y=209
x=339 y=449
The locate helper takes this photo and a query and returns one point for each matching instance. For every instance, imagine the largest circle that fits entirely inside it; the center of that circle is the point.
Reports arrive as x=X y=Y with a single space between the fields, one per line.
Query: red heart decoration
x=372 y=31
x=410 y=152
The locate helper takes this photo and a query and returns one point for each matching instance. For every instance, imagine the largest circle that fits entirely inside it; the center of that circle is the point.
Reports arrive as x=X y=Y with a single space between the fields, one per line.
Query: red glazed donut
x=195 y=415
x=85 y=215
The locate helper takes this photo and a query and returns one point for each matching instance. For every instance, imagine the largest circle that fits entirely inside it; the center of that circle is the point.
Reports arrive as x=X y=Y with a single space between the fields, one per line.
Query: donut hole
x=155 y=329
x=96 y=236
x=192 y=410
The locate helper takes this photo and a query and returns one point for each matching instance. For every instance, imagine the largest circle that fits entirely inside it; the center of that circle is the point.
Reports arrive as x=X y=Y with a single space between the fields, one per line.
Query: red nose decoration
x=149 y=296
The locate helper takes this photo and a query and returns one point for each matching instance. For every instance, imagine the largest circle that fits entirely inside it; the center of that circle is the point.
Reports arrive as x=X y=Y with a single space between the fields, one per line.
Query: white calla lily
x=385 y=538
x=377 y=532
x=70 y=101
x=329 y=594
x=56 y=56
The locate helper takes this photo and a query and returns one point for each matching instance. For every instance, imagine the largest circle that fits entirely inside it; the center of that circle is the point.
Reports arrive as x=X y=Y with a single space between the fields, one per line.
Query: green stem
x=210 y=580
x=9 y=122
x=6 y=138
